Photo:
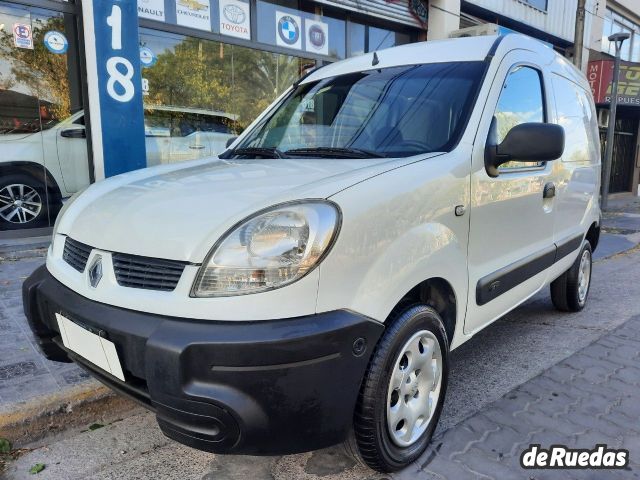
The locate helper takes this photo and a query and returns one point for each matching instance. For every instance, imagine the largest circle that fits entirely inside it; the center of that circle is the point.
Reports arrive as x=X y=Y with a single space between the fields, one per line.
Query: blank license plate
x=99 y=351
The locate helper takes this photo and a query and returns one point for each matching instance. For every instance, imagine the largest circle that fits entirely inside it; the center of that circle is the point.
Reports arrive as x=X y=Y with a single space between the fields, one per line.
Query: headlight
x=269 y=250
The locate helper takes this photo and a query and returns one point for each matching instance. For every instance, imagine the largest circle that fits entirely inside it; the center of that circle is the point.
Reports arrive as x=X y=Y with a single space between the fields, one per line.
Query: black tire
x=41 y=219
x=565 y=290
x=370 y=431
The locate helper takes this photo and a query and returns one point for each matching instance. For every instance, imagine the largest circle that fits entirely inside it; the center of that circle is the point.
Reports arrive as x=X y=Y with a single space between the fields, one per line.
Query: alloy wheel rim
x=19 y=203
x=414 y=388
x=584 y=276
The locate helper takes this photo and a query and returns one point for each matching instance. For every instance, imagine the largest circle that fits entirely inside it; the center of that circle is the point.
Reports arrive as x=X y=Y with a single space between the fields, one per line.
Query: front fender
x=398 y=230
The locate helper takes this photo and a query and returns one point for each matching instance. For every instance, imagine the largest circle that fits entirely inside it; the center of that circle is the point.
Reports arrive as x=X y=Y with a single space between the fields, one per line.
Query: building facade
x=206 y=69
x=613 y=17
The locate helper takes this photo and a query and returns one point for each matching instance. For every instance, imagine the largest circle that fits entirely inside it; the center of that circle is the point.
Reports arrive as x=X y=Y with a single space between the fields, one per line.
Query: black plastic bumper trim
x=244 y=387
x=501 y=281
x=258 y=368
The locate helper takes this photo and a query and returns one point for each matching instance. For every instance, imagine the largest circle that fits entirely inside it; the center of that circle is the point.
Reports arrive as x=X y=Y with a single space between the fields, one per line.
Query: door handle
x=196 y=147
x=549 y=190
x=74 y=133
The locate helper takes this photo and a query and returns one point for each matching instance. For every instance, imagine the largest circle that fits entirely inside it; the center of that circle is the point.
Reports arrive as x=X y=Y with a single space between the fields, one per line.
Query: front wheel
x=22 y=202
x=570 y=290
x=403 y=390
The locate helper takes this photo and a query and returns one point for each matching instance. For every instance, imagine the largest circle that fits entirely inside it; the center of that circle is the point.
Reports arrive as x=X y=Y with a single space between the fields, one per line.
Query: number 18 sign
x=119 y=86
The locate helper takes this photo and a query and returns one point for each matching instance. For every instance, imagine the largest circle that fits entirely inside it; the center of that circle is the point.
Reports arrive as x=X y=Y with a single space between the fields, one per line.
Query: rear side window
x=521 y=101
x=576 y=113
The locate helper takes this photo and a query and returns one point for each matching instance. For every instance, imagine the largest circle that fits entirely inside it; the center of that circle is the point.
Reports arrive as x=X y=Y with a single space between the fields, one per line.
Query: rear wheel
x=22 y=202
x=569 y=292
x=403 y=390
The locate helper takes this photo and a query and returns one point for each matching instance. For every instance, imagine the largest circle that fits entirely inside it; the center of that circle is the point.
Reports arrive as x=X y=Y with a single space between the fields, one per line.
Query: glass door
x=43 y=150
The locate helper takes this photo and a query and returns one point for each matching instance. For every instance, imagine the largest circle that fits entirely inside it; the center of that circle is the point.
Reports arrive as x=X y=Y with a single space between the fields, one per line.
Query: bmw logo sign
x=288 y=30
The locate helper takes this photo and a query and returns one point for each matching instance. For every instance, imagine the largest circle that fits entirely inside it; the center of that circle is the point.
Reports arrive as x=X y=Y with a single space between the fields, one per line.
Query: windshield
x=390 y=112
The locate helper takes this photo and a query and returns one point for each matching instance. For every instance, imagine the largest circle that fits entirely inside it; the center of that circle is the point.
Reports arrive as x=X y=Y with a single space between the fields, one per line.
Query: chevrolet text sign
x=600 y=75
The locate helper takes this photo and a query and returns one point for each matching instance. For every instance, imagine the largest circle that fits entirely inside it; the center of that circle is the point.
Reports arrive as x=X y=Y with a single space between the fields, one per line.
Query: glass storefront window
x=380 y=39
x=200 y=93
x=357 y=34
x=614 y=23
x=366 y=39
x=42 y=143
x=294 y=31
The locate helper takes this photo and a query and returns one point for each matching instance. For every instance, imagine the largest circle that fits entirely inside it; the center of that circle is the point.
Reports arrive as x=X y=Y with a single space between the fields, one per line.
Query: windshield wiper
x=269 y=152
x=336 y=152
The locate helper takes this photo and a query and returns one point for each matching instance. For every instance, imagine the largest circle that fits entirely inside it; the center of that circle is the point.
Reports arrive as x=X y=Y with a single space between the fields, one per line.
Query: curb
x=25 y=422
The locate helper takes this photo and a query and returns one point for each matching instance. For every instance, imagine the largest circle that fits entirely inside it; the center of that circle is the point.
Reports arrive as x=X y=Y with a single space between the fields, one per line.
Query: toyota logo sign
x=234 y=14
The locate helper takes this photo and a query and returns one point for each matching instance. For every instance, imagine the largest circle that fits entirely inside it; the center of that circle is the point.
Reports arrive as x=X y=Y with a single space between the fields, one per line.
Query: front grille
x=76 y=254
x=148 y=273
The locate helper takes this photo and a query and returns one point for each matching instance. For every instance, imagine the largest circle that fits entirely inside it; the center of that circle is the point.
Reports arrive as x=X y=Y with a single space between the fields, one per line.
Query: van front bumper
x=255 y=387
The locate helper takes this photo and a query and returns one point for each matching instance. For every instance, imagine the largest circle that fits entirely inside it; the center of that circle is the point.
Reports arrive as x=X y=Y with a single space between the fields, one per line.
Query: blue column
x=114 y=77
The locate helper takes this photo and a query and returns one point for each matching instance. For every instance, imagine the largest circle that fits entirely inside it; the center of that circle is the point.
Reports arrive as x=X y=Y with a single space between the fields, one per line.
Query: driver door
x=511 y=224
x=71 y=141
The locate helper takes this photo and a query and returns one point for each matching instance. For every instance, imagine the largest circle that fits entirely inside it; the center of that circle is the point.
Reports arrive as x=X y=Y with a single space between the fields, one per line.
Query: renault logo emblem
x=95 y=271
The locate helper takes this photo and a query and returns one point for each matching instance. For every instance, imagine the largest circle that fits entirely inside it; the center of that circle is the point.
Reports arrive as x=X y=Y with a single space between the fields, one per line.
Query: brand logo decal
x=317 y=37
x=234 y=14
x=95 y=271
x=288 y=30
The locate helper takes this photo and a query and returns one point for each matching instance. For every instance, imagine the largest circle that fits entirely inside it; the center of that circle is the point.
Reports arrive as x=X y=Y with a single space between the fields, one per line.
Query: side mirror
x=230 y=141
x=74 y=133
x=527 y=142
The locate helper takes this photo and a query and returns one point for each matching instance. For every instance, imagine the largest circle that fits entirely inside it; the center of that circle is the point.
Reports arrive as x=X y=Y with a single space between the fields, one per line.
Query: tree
x=220 y=77
x=43 y=73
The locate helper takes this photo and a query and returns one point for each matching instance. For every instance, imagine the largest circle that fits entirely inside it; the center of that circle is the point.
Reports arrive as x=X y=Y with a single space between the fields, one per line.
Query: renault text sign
x=600 y=75
x=115 y=86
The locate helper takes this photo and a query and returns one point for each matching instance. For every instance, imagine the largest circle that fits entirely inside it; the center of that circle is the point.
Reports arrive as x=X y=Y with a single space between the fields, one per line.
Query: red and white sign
x=600 y=76
x=22 y=35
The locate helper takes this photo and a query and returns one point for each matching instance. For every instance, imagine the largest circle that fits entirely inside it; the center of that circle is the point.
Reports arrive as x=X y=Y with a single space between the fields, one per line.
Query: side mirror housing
x=527 y=142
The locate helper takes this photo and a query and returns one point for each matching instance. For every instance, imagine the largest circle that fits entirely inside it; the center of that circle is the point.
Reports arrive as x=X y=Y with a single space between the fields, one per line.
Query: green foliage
x=42 y=73
x=5 y=446
x=219 y=77
x=37 y=468
x=95 y=426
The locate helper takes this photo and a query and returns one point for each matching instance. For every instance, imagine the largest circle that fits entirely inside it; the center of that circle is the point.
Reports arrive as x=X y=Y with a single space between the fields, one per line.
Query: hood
x=179 y=211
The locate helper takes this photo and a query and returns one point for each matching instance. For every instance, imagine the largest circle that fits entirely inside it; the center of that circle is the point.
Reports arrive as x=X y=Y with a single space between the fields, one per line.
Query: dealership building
x=207 y=69
x=93 y=88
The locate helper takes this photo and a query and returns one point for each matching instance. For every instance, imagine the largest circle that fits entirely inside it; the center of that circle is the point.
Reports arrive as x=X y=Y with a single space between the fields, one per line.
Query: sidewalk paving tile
x=589 y=398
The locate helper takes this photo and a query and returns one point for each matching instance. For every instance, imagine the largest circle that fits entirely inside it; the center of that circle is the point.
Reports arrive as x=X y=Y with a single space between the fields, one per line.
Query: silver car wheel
x=414 y=388
x=19 y=203
x=584 y=276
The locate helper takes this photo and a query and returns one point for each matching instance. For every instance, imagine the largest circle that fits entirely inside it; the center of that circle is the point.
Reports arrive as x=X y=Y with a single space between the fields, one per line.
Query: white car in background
x=39 y=168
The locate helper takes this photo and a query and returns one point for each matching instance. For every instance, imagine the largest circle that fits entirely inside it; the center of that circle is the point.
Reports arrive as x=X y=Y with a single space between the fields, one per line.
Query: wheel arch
x=439 y=294
x=593 y=235
x=36 y=171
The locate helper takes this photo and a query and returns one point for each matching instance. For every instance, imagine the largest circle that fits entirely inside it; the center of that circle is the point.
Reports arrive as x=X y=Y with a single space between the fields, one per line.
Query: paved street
x=24 y=373
x=524 y=379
